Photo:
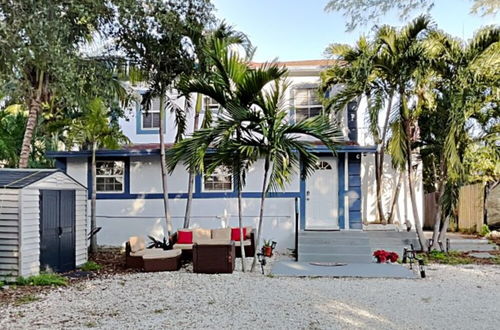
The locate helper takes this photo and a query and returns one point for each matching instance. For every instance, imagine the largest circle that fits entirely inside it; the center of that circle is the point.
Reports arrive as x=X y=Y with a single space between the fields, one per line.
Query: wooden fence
x=470 y=208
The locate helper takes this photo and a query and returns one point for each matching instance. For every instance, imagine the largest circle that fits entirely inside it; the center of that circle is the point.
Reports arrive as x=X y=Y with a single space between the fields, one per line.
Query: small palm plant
x=94 y=129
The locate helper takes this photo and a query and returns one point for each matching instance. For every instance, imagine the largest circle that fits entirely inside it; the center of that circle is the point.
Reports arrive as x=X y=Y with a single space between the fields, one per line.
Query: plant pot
x=267 y=251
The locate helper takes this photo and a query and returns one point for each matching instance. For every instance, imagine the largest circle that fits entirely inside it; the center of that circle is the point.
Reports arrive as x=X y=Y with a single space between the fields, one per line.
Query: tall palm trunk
x=163 y=165
x=34 y=110
x=93 y=201
x=189 y=202
x=395 y=197
x=418 y=226
x=437 y=217
x=261 y=214
x=240 y=225
x=379 y=162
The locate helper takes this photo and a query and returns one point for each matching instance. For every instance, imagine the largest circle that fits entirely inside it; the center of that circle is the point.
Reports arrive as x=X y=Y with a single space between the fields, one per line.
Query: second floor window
x=306 y=103
x=220 y=180
x=109 y=176
x=151 y=118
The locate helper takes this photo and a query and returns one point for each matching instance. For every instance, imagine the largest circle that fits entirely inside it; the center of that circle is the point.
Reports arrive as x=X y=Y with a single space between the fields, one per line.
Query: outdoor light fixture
x=273 y=245
x=262 y=260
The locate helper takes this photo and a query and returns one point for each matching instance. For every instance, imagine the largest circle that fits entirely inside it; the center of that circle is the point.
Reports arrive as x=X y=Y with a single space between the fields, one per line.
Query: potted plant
x=267 y=248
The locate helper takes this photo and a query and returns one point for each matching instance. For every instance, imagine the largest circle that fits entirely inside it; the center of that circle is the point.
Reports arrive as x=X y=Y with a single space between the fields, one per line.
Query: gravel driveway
x=458 y=297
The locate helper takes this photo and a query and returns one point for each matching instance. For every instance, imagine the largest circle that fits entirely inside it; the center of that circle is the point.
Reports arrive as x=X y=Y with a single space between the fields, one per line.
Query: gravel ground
x=458 y=297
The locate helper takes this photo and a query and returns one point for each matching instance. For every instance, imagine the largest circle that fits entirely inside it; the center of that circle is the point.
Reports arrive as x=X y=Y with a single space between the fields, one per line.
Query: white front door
x=322 y=196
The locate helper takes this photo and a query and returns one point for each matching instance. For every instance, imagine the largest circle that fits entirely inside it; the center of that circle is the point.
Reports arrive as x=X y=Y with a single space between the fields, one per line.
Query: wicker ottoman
x=162 y=261
x=213 y=257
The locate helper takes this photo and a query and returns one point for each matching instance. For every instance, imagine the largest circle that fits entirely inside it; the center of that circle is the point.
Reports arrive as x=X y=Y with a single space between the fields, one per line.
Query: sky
x=301 y=29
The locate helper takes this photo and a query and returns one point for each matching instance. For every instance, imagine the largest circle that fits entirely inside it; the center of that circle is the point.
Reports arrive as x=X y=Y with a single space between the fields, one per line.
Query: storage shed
x=43 y=222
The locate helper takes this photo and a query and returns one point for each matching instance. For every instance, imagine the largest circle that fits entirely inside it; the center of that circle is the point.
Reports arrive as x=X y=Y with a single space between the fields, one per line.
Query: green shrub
x=485 y=230
x=1 y=284
x=43 y=280
x=450 y=258
x=90 y=266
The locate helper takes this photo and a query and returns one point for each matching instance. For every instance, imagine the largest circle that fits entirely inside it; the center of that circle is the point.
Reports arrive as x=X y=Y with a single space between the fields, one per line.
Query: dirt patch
x=111 y=260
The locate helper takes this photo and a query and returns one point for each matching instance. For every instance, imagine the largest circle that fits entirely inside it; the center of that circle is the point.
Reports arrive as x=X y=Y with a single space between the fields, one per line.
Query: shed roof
x=20 y=178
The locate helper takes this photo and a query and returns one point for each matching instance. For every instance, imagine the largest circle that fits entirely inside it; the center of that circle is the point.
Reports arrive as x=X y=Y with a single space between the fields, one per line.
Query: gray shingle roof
x=20 y=178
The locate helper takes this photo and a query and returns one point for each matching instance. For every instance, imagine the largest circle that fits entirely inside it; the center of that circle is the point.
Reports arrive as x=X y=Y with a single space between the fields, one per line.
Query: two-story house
x=340 y=195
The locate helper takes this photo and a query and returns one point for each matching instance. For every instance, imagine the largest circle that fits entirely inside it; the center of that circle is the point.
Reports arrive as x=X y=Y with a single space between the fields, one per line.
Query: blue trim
x=102 y=153
x=61 y=164
x=341 y=190
x=355 y=197
x=207 y=195
x=302 y=204
x=126 y=179
x=156 y=152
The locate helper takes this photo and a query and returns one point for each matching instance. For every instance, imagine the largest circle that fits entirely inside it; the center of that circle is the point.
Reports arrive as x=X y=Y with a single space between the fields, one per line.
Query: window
x=151 y=118
x=306 y=103
x=220 y=180
x=323 y=166
x=110 y=176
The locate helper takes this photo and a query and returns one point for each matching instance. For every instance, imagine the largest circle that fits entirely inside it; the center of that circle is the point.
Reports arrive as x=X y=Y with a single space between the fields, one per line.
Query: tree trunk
x=437 y=218
x=34 y=110
x=93 y=202
x=189 y=202
x=379 y=171
x=168 y=219
x=444 y=229
x=418 y=226
x=240 y=225
x=261 y=214
x=395 y=197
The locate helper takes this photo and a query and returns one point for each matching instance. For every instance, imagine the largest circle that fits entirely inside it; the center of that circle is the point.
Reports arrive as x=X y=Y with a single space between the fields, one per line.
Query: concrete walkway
x=359 y=270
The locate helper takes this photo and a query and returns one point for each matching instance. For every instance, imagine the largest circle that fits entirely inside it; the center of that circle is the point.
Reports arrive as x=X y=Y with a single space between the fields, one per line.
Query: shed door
x=57 y=230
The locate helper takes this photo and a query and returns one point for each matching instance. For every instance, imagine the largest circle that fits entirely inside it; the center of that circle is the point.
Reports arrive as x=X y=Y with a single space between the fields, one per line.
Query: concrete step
x=469 y=241
x=334 y=240
x=472 y=247
x=334 y=249
x=344 y=258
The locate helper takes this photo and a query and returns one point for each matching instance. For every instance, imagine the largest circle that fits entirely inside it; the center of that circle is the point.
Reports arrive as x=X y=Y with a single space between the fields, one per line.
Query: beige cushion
x=221 y=233
x=140 y=253
x=245 y=243
x=249 y=231
x=183 y=246
x=162 y=254
x=201 y=234
x=137 y=243
x=214 y=242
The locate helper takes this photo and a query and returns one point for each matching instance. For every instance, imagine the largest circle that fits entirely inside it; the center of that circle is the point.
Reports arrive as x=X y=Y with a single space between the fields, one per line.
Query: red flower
x=383 y=256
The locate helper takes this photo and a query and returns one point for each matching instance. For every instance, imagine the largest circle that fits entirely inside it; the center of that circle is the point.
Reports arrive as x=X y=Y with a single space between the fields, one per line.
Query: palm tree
x=279 y=142
x=464 y=80
x=403 y=50
x=235 y=86
x=225 y=34
x=95 y=130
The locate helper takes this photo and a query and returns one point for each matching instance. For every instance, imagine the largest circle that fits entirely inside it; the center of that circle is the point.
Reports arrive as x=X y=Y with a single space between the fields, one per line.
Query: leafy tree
x=158 y=38
x=362 y=11
x=95 y=129
x=39 y=57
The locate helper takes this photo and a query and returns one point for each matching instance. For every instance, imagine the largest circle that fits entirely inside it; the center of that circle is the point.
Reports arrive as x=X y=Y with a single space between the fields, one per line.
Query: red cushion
x=184 y=237
x=235 y=233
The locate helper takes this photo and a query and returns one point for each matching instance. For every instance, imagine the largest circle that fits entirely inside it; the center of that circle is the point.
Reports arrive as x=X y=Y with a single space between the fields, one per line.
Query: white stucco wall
x=403 y=207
